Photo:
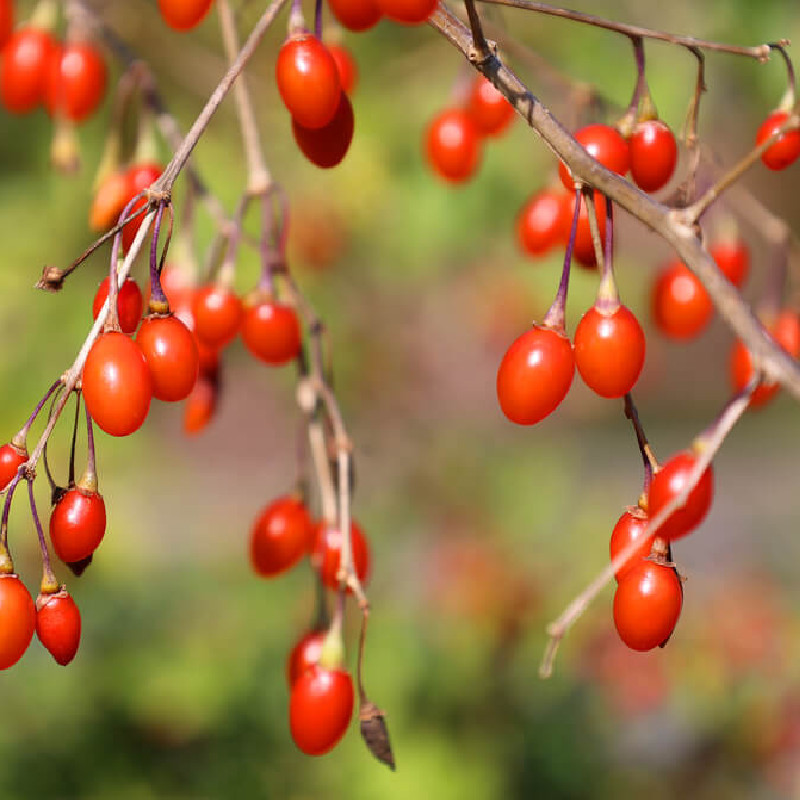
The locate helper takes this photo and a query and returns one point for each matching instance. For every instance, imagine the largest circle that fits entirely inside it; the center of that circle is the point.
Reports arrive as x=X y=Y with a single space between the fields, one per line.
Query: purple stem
x=90 y=462
x=157 y=295
x=318 y=19
x=27 y=426
x=557 y=312
x=46 y=568
x=71 y=481
x=609 y=243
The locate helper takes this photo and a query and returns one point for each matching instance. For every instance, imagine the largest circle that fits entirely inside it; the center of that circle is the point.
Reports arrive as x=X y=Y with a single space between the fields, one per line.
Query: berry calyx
x=453 y=146
x=670 y=481
x=281 y=535
x=785 y=150
x=603 y=143
x=535 y=375
x=271 y=331
x=129 y=303
x=58 y=625
x=327 y=146
x=77 y=524
x=543 y=222
x=653 y=153
x=11 y=459
x=631 y=526
x=17 y=619
x=170 y=350
x=327 y=553
x=488 y=108
x=305 y=654
x=681 y=306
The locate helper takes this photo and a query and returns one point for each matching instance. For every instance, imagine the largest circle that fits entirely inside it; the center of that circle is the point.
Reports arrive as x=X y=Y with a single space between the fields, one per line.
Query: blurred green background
x=481 y=531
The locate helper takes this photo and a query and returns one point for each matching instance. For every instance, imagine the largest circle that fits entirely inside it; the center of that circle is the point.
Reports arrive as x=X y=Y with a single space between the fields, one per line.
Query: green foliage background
x=481 y=532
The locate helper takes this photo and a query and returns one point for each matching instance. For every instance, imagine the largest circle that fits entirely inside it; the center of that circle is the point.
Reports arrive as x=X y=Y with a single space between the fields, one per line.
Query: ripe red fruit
x=281 y=535
x=346 y=65
x=305 y=654
x=647 y=605
x=584 y=253
x=308 y=80
x=11 y=459
x=543 y=222
x=603 y=143
x=77 y=524
x=681 y=305
x=217 y=313
x=24 y=63
x=171 y=354
x=116 y=384
x=733 y=260
x=631 y=526
x=109 y=201
x=320 y=709
x=58 y=625
x=669 y=482
x=139 y=177
x=201 y=404
x=129 y=303
x=653 y=155
x=407 y=12
x=786 y=149
x=488 y=108
x=271 y=332
x=17 y=620
x=76 y=81
x=328 y=145
x=327 y=553
x=786 y=332
x=356 y=15
x=453 y=145
x=6 y=20
x=609 y=350
x=535 y=375
x=182 y=15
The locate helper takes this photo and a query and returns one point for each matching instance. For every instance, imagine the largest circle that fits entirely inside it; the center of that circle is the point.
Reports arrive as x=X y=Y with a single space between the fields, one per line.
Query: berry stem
x=89 y=478
x=158 y=303
x=318 y=19
x=480 y=47
x=554 y=318
x=629 y=118
x=607 y=299
x=648 y=458
x=788 y=100
x=49 y=582
x=74 y=440
x=21 y=437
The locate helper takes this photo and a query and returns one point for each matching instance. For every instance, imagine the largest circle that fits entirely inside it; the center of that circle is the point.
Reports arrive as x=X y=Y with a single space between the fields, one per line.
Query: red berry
x=609 y=350
x=6 y=21
x=182 y=15
x=24 y=63
x=271 y=332
x=407 y=12
x=543 y=222
x=320 y=709
x=109 y=201
x=681 y=305
x=632 y=525
x=139 y=177
x=217 y=313
x=488 y=108
x=327 y=146
x=116 y=384
x=647 y=605
x=786 y=149
x=669 y=482
x=327 y=553
x=17 y=620
x=356 y=15
x=77 y=524
x=11 y=459
x=535 y=375
x=129 y=303
x=733 y=260
x=58 y=626
x=584 y=252
x=76 y=81
x=305 y=654
x=282 y=534
x=308 y=80
x=201 y=404
x=171 y=354
x=346 y=65
x=603 y=143
x=453 y=145
x=653 y=155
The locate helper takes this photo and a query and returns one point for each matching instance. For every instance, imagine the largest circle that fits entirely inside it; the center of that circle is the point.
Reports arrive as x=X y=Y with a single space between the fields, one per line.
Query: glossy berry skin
x=320 y=709
x=201 y=405
x=139 y=177
x=327 y=146
x=58 y=626
x=653 y=153
x=76 y=81
x=584 y=254
x=11 y=459
x=543 y=222
x=116 y=384
x=609 y=351
x=631 y=526
x=535 y=375
x=488 y=108
x=681 y=306
x=308 y=80
x=346 y=66
x=786 y=332
x=217 y=313
x=603 y=143
x=109 y=201
x=129 y=303
x=733 y=260
x=356 y=15
x=17 y=620
x=453 y=146
x=786 y=149
x=171 y=353
x=327 y=553
x=305 y=654
x=271 y=332
x=77 y=524
x=668 y=482
x=24 y=63
x=183 y=15
x=407 y=12
x=281 y=535
x=647 y=605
